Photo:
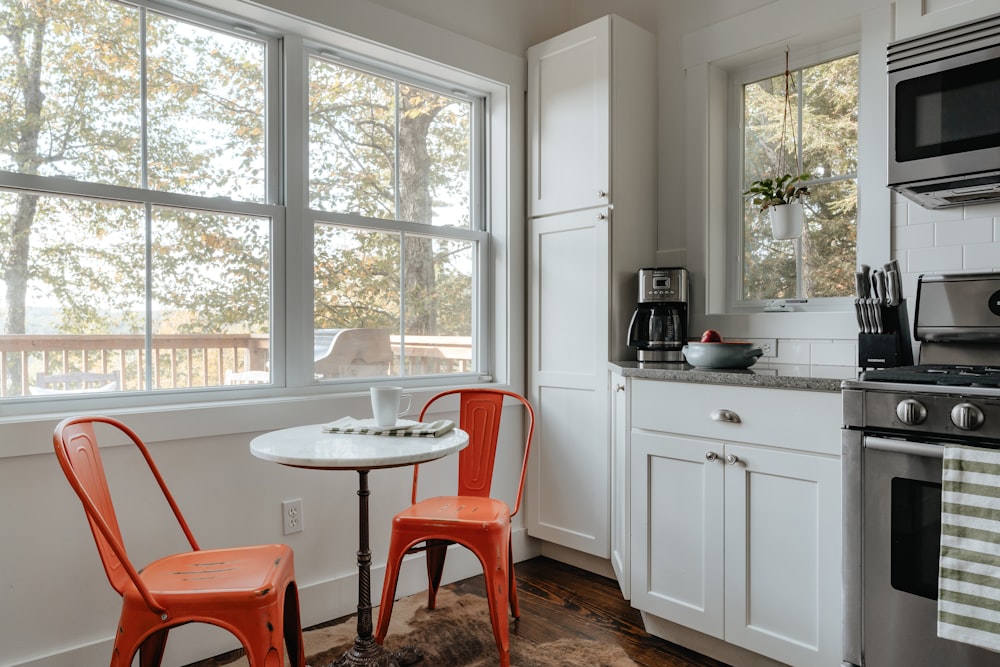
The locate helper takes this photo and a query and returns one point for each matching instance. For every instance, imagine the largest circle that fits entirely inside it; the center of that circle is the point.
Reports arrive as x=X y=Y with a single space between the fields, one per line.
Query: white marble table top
x=311 y=447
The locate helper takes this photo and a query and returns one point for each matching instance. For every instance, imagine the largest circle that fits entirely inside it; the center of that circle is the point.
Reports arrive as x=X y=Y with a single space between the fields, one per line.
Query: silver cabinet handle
x=602 y=216
x=711 y=456
x=732 y=459
x=725 y=416
x=619 y=387
x=601 y=194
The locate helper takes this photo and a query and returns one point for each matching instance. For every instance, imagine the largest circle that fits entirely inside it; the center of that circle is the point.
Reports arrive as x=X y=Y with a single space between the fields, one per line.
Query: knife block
x=890 y=348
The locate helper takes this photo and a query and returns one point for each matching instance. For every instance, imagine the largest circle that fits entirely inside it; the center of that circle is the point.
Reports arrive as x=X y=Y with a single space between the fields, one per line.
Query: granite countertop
x=776 y=376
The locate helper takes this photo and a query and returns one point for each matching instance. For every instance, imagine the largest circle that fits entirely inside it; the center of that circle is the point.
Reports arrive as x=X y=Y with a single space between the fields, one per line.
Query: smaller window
x=820 y=128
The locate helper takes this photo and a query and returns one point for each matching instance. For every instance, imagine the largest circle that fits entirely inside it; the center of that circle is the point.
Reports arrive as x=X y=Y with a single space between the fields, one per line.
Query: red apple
x=711 y=336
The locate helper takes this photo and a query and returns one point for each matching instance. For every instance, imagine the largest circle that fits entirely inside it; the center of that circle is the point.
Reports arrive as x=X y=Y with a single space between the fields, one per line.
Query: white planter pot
x=786 y=220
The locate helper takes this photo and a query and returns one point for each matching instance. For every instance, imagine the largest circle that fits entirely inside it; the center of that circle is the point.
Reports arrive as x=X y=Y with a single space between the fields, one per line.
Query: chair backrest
x=79 y=455
x=480 y=410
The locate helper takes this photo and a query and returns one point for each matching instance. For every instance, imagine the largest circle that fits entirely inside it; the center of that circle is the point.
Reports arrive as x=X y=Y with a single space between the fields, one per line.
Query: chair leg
x=495 y=571
x=392 y=564
x=292 y=628
x=515 y=610
x=436 y=552
x=151 y=649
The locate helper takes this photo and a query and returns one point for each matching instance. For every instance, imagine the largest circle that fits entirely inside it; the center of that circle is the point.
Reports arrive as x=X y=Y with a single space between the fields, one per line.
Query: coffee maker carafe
x=659 y=325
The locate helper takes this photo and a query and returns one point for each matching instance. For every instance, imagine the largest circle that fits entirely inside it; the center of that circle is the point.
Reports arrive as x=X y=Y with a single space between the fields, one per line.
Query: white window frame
x=708 y=56
x=738 y=78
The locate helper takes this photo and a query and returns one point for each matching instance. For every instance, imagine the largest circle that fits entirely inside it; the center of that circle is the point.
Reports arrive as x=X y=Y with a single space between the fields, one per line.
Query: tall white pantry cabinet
x=592 y=107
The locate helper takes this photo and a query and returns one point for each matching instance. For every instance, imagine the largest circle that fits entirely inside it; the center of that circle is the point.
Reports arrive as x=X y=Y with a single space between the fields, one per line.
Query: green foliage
x=777 y=191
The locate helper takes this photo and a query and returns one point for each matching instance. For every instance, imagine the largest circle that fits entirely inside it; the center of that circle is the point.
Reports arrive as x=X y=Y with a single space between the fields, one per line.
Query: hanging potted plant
x=781 y=196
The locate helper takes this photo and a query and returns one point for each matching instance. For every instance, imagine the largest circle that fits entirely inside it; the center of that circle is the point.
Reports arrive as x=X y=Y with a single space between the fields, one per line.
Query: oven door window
x=954 y=111
x=916 y=536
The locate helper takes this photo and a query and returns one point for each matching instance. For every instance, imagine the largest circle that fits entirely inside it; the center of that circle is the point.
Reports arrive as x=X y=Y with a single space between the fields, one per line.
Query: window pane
x=211 y=291
x=764 y=115
x=206 y=111
x=439 y=306
x=74 y=111
x=357 y=301
x=830 y=118
x=351 y=141
x=434 y=158
x=829 y=247
x=73 y=300
x=387 y=150
x=768 y=264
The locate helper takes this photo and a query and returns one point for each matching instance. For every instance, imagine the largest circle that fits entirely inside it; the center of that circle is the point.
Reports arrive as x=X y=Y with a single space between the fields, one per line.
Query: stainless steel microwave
x=944 y=115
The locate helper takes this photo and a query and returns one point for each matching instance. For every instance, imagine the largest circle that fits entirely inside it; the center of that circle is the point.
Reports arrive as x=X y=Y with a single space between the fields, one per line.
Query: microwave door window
x=954 y=111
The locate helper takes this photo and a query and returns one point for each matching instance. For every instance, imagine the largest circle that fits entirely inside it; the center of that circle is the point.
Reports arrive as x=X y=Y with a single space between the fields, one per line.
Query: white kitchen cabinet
x=592 y=225
x=736 y=526
x=620 y=502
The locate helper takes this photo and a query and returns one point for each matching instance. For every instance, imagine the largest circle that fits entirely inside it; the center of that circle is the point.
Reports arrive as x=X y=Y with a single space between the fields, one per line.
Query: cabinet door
x=677 y=529
x=568 y=117
x=569 y=498
x=620 y=512
x=783 y=555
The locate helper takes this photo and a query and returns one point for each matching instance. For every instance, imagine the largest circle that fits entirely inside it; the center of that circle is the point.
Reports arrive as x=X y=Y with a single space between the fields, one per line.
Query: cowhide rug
x=456 y=634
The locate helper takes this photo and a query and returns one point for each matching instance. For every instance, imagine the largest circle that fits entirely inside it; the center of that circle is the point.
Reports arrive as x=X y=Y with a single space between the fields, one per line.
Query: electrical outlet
x=291 y=516
x=768 y=345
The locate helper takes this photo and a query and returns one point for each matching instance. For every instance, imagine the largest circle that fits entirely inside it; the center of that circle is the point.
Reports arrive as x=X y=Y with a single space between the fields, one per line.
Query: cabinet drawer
x=803 y=420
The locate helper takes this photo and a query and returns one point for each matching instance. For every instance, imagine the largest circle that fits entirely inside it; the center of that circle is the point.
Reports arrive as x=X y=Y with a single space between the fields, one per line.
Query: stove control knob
x=967 y=416
x=911 y=412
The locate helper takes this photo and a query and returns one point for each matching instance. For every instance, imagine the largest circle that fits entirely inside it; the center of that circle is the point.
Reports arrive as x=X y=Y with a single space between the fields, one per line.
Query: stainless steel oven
x=897 y=422
x=944 y=115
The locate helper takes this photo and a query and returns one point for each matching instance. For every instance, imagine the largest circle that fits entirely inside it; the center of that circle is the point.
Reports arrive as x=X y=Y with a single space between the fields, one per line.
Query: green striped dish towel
x=969 y=579
x=410 y=429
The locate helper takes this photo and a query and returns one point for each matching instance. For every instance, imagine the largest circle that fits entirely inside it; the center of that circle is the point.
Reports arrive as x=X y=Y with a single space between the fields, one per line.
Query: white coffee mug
x=385 y=405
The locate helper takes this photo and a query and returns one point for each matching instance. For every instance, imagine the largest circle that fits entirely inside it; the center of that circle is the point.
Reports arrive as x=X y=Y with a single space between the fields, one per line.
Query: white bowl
x=721 y=355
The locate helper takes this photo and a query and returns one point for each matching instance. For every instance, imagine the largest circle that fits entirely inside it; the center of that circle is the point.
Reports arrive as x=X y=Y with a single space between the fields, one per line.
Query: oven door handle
x=904 y=447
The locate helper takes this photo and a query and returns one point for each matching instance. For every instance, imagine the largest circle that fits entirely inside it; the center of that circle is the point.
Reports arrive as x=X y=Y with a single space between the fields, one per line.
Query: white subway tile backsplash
x=913 y=236
x=917 y=214
x=983 y=257
x=834 y=353
x=791 y=351
x=934 y=260
x=964 y=232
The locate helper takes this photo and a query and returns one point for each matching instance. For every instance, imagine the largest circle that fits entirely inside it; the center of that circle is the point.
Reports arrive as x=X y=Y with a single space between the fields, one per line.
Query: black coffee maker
x=659 y=325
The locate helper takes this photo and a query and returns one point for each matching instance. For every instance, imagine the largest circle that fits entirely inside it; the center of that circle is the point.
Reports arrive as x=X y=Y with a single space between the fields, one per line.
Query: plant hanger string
x=784 y=121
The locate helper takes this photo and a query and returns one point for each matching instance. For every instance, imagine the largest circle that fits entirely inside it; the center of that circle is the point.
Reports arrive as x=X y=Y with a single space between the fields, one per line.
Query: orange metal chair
x=472 y=518
x=249 y=591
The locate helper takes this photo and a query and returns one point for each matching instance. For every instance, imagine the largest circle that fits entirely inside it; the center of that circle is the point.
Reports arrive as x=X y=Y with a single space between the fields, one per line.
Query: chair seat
x=242 y=574
x=454 y=511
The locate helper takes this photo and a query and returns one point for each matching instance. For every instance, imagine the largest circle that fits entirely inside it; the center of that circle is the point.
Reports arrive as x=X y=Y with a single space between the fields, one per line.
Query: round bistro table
x=312 y=447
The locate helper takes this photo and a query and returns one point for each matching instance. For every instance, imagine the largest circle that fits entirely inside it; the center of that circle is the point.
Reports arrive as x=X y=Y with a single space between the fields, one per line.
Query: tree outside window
x=822 y=141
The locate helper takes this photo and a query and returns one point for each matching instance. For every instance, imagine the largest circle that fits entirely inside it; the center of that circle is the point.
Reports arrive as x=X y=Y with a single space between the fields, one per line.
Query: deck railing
x=186 y=361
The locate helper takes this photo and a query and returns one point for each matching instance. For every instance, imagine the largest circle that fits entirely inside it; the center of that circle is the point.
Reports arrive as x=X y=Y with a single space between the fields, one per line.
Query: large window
x=820 y=125
x=135 y=219
x=145 y=192
x=394 y=174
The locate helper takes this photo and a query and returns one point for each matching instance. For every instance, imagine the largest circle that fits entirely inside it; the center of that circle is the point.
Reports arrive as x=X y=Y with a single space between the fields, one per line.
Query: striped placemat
x=969 y=579
x=365 y=427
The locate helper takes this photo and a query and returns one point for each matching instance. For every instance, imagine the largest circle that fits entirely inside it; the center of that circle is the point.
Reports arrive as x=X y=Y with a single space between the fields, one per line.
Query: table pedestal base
x=369 y=654
x=366 y=652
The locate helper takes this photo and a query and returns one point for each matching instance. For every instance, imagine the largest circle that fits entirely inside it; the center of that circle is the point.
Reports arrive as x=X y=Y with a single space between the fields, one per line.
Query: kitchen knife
x=882 y=280
x=866 y=279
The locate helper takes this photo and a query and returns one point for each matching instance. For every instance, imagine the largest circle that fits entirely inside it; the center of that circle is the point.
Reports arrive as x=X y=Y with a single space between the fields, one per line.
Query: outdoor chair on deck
x=249 y=591
x=80 y=382
x=471 y=518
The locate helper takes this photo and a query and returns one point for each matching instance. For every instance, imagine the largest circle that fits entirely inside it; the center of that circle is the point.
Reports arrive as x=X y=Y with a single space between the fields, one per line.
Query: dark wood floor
x=560 y=601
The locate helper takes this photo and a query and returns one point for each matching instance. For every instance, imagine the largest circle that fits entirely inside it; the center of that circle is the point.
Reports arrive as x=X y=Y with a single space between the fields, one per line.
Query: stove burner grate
x=942 y=375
